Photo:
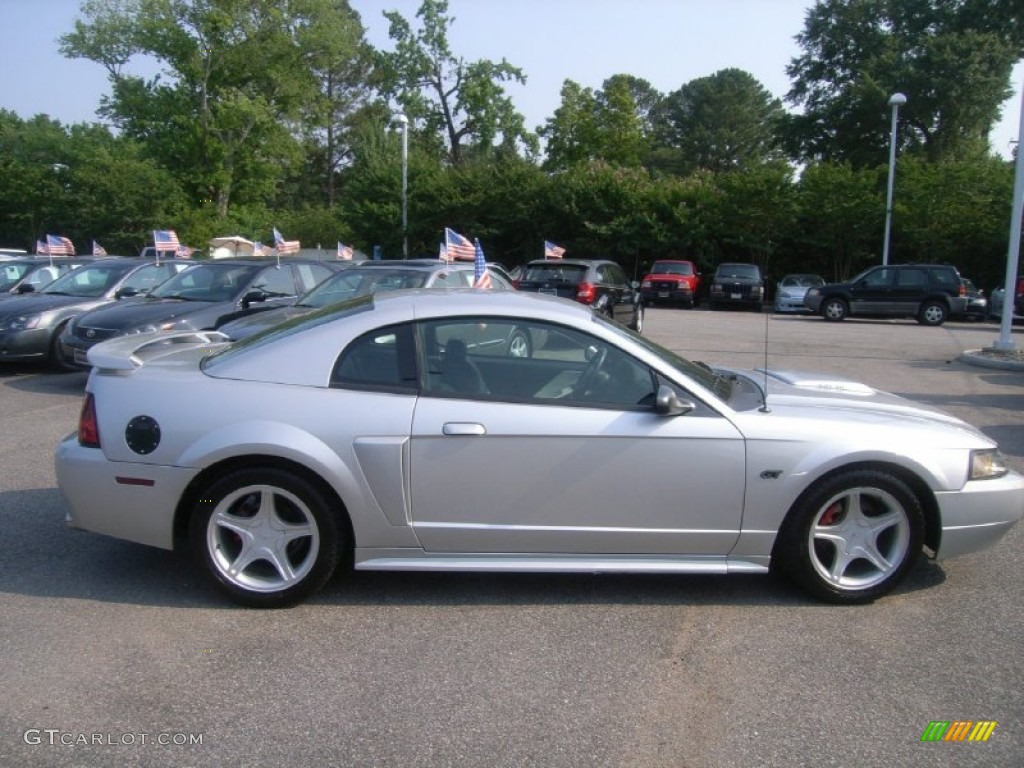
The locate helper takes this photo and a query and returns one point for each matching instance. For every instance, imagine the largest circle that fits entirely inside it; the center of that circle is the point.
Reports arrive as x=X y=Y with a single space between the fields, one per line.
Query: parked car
x=32 y=273
x=790 y=292
x=995 y=303
x=671 y=280
x=369 y=432
x=368 y=277
x=737 y=285
x=31 y=324
x=930 y=293
x=598 y=283
x=977 y=304
x=205 y=296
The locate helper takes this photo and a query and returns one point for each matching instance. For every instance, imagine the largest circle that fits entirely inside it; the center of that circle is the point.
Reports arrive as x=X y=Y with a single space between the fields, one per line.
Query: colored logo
x=958 y=730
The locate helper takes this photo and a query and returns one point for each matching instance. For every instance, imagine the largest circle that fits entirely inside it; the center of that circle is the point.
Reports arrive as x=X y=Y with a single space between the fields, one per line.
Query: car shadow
x=46 y=558
x=40 y=379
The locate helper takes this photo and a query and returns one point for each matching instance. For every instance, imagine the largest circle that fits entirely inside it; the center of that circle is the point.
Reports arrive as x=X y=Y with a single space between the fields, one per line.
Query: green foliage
x=951 y=58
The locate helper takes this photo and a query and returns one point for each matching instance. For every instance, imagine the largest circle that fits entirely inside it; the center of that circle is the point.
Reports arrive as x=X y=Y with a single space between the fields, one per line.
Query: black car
x=930 y=293
x=600 y=283
x=203 y=297
x=31 y=323
x=737 y=284
x=33 y=273
x=365 y=278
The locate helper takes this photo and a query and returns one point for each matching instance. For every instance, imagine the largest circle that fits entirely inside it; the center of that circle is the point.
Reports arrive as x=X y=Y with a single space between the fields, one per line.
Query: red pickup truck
x=671 y=281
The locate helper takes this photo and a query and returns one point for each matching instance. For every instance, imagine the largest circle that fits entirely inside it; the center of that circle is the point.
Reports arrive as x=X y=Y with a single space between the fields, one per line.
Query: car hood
x=132 y=313
x=42 y=302
x=845 y=399
x=250 y=324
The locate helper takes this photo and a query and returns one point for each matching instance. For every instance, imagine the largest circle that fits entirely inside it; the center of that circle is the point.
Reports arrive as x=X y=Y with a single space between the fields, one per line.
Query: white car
x=396 y=432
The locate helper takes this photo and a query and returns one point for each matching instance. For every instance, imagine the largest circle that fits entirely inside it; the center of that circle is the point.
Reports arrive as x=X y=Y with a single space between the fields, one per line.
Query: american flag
x=552 y=251
x=285 y=246
x=257 y=249
x=184 y=252
x=458 y=247
x=443 y=254
x=98 y=250
x=41 y=248
x=481 y=277
x=59 y=246
x=165 y=240
x=344 y=252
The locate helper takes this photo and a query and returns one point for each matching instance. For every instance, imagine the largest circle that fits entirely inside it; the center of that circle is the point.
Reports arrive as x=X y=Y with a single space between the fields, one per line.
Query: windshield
x=739 y=270
x=556 y=273
x=89 y=282
x=207 y=282
x=12 y=273
x=360 y=282
x=801 y=281
x=667 y=268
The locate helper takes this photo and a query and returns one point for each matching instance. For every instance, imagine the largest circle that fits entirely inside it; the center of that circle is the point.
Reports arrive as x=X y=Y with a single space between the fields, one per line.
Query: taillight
x=515 y=283
x=963 y=290
x=586 y=293
x=88 y=429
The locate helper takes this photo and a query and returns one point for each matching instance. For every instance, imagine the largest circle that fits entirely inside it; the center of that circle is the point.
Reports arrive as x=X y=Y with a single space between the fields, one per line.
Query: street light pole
x=895 y=101
x=405 y=183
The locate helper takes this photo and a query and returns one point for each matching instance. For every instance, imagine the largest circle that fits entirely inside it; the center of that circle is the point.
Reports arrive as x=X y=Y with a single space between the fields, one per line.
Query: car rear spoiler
x=126 y=353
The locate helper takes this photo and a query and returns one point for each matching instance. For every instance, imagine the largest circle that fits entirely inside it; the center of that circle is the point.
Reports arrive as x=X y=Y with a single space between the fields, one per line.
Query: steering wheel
x=589 y=375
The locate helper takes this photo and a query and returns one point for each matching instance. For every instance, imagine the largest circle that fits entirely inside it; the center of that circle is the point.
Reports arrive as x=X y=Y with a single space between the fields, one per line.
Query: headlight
x=645 y=284
x=812 y=292
x=25 y=322
x=986 y=464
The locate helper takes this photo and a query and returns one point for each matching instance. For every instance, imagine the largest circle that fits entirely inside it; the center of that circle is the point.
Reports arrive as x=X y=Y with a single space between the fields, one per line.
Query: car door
x=873 y=293
x=518 y=461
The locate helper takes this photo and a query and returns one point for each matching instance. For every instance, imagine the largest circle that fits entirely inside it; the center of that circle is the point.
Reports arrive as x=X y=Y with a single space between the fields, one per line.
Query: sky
x=666 y=42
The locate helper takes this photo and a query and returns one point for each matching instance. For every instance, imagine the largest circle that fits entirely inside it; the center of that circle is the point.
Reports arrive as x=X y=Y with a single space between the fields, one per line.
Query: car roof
x=573 y=262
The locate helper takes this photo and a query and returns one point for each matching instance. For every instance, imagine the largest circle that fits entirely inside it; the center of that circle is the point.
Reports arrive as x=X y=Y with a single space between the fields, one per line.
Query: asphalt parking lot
x=117 y=654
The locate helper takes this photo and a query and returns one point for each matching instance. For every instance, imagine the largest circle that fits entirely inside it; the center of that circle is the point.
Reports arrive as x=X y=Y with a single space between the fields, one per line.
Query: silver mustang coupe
x=397 y=432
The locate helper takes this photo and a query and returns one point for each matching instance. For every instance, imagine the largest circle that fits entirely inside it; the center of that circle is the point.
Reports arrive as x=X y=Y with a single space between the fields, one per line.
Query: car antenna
x=764 y=392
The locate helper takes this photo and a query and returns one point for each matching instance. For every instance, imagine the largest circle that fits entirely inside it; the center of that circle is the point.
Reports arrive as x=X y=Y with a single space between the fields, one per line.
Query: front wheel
x=932 y=313
x=267 y=537
x=834 y=309
x=853 y=537
x=638 y=318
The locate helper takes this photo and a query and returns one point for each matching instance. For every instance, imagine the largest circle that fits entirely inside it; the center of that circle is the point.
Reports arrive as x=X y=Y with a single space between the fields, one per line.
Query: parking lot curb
x=1006 y=360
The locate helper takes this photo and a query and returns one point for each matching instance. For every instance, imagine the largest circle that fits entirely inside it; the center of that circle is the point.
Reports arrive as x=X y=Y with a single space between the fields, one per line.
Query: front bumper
x=134 y=502
x=682 y=294
x=790 y=304
x=30 y=344
x=980 y=514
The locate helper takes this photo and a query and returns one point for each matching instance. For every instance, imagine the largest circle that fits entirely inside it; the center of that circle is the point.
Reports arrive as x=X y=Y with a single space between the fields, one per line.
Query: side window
x=276 y=281
x=526 y=361
x=311 y=275
x=880 y=278
x=911 y=279
x=616 y=276
x=946 y=278
x=382 y=360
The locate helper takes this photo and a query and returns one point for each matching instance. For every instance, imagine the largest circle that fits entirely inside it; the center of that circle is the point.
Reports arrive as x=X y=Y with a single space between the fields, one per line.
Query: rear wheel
x=519 y=344
x=834 y=309
x=267 y=537
x=932 y=313
x=853 y=537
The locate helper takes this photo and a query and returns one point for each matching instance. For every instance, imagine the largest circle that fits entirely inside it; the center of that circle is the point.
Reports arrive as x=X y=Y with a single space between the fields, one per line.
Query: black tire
x=852 y=537
x=269 y=508
x=55 y=360
x=638 y=319
x=519 y=344
x=834 y=309
x=933 y=313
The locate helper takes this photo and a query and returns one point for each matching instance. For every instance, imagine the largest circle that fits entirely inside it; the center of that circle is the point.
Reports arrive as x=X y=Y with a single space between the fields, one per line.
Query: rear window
x=555 y=273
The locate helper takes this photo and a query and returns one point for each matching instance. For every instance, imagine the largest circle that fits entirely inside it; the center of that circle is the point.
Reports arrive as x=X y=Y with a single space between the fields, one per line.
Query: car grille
x=94 y=334
x=743 y=289
x=665 y=285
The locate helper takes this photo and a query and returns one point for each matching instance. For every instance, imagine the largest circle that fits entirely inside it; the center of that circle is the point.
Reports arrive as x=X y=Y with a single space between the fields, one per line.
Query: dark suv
x=601 y=284
x=737 y=284
x=930 y=293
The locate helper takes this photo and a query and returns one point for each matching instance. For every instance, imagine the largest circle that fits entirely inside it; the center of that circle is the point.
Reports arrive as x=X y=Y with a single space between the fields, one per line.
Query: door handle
x=463 y=428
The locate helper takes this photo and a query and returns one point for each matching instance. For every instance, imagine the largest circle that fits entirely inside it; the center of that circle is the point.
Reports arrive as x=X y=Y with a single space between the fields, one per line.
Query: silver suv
x=930 y=293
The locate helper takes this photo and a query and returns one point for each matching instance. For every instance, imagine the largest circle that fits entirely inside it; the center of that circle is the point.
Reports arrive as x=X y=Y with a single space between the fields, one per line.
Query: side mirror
x=254 y=295
x=25 y=288
x=126 y=293
x=668 y=403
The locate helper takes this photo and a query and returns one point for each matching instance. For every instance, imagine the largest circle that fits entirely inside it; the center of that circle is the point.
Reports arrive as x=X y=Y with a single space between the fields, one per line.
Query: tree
x=951 y=58
x=444 y=95
x=237 y=74
x=724 y=122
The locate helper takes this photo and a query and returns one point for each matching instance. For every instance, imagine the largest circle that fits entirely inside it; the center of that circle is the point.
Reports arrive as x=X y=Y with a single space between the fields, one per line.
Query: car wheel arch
x=210 y=474
x=917 y=484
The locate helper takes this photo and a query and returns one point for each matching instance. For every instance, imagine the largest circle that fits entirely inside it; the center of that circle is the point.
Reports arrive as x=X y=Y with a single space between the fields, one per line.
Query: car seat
x=458 y=373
